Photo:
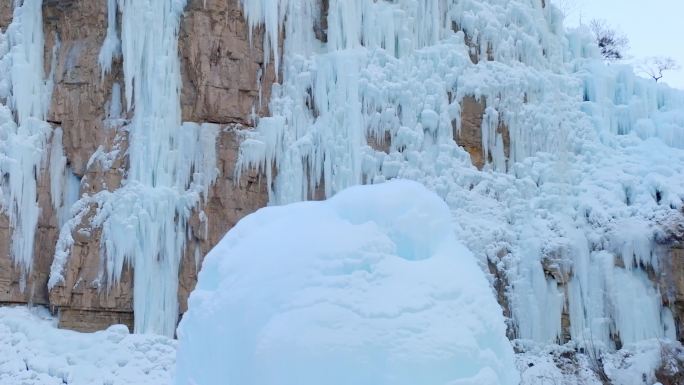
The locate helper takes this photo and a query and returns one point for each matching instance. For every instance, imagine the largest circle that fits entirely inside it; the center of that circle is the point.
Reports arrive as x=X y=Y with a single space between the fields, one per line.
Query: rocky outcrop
x=5 y=14
x=224 y=76
x=673 y=286
x=469 y=136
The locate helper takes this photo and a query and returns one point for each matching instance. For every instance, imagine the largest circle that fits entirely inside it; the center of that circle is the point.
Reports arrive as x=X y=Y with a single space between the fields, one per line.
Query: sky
x=653 y=27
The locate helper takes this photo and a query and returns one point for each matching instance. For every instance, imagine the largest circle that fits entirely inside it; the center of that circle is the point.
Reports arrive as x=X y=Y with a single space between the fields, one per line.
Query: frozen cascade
x=571 y=218
x=171 y=167
x=24 y=134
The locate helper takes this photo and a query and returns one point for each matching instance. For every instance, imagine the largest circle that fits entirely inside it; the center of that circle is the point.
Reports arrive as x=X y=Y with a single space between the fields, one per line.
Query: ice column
x=171 y=166
x=145 y=222
x=23 y=131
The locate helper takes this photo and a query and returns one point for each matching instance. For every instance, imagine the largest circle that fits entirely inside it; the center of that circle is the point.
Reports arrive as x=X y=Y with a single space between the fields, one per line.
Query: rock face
x=676 y=285
x=5 y=14
x=225 y=81
x=470 y=134
x=222 y=71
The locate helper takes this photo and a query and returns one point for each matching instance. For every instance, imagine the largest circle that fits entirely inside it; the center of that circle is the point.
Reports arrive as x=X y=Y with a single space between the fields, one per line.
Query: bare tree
x=612 y=43
x=656 y=65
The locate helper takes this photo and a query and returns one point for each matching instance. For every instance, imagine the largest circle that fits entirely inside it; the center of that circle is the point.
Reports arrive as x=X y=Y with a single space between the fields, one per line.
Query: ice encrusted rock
x=368 y=288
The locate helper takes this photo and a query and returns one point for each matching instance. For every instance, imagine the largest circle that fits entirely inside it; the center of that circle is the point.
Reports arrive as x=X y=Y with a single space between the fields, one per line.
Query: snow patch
x=34 y=352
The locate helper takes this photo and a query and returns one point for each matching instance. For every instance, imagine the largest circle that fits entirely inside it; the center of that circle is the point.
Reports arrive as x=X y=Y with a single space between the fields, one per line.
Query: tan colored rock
x=221 y=68
x=321 y=27
x=79 y=102
x=91 y=321
x=221 y=84
x=81 y=94
x=677 y=255
x=5 y=13
x=675 y=283
x=470 y=135
x=228 y=203
x=382 y=144
x=84 y=286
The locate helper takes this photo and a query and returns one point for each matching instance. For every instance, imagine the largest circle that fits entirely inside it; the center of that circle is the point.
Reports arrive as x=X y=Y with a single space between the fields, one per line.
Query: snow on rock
x=369 y=287
x=636 y=364
x=34 y=352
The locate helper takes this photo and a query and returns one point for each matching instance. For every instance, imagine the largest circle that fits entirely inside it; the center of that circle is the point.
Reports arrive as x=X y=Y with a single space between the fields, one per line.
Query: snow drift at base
x=34 y=352
x=369 y=287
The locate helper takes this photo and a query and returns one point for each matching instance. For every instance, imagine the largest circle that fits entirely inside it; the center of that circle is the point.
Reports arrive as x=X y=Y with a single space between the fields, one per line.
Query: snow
x=369 y=287
x=636 y=364
x=34 y=352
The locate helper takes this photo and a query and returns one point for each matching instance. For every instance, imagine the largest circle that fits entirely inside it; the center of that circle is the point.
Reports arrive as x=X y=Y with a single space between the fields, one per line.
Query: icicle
x=23 y=142
x=171 y=168
x=156 y=199
x=115 y=108
x=111 y=47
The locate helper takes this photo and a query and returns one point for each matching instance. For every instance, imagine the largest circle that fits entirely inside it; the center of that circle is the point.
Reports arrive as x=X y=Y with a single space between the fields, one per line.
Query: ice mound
x=368 y=288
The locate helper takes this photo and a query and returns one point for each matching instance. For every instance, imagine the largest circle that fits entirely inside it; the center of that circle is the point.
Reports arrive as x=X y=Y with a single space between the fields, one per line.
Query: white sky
x=653 y=27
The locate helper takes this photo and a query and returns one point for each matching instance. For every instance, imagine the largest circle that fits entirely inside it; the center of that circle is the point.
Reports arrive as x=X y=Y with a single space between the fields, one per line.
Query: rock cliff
x=220 y=85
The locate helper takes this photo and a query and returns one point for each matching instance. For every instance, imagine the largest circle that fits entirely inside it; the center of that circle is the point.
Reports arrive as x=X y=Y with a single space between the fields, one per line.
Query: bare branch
x=655 y=66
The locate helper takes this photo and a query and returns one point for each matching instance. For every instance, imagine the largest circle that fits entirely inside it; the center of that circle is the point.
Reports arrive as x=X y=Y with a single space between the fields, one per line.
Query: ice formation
x=571 y=220
x=24 y=134
x=369 y=287
x=171 y=166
